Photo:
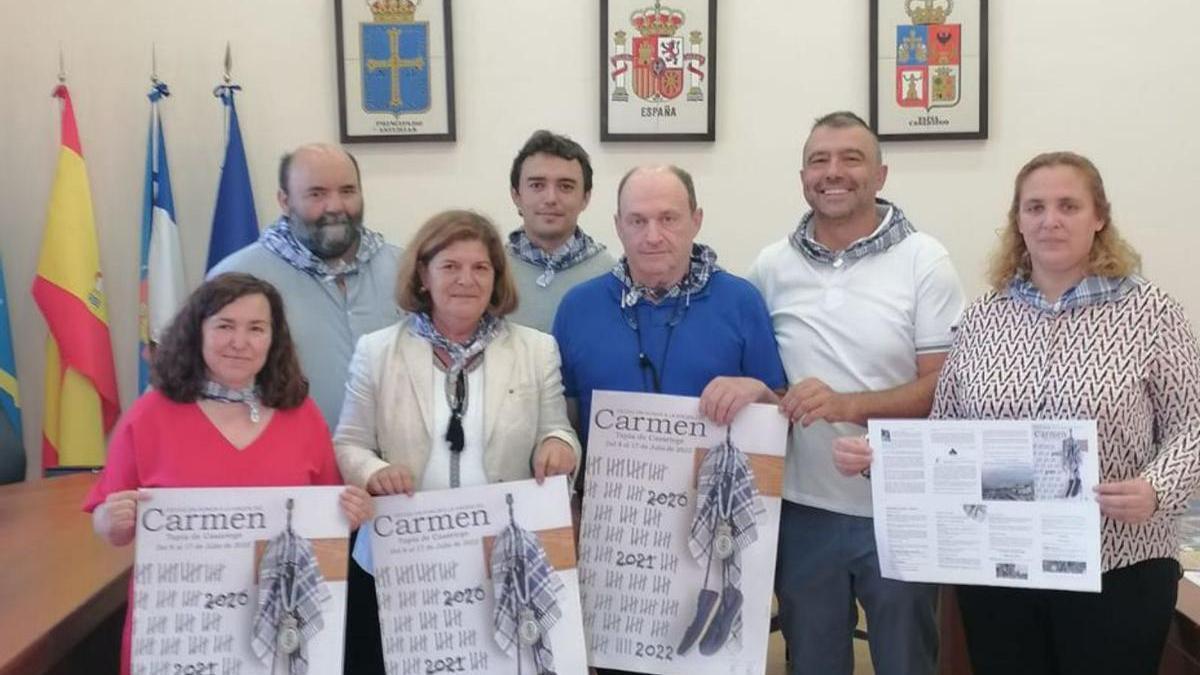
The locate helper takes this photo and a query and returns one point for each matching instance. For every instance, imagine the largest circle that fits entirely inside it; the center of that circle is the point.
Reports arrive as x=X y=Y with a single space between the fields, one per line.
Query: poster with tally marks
x=239 y=581
x=479 y=580
x=678 y=535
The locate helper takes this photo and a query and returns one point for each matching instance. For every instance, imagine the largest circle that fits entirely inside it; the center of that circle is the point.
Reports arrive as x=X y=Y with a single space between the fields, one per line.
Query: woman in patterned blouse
x=1070 y=331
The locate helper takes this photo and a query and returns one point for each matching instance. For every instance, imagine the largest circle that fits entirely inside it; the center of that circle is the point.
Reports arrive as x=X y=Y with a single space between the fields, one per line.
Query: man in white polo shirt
x=862 y=306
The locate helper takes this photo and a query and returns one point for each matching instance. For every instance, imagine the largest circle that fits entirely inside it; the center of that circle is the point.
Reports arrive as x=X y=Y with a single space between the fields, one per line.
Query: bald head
x=319 y=192
x=316 y=152
x=657 y=221
x=685 y=179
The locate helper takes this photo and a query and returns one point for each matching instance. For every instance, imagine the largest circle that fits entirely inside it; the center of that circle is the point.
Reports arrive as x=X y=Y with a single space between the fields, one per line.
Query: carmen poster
x=664 y=591
x=445 y=559
x=206 y=558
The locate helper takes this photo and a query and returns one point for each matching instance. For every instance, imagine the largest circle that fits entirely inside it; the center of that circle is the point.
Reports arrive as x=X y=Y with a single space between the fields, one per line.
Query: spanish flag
x=81 y=384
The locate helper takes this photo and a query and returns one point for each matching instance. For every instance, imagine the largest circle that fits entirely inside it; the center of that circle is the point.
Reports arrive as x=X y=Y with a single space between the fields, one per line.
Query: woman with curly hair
x=229 y=408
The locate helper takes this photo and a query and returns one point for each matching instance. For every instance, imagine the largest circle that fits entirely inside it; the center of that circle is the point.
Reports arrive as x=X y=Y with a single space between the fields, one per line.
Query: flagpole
x=228 y=85
x=163 y=285
x=235 y=222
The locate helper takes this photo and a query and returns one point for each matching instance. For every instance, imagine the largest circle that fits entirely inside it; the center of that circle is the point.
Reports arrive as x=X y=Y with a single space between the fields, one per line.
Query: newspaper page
x=200 y=556
x=664 y=591
x=435 y=553
x=994 y=503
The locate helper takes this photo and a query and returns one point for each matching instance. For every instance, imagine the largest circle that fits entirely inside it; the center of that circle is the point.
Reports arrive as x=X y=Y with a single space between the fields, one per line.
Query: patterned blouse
x=1129 y=362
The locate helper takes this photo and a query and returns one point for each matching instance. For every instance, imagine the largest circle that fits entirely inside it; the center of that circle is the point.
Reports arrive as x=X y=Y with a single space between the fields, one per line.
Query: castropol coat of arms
x=661 y=63
x=395 y=58
x=928 y=56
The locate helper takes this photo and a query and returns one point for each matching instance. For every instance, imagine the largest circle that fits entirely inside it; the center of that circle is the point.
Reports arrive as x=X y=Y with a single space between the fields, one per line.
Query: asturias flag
x=162 y=288
x=235 y=223
x=12 y=450
x=81 y=385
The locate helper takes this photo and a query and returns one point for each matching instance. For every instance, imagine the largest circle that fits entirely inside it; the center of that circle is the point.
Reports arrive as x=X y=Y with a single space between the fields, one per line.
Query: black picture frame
x=913 y=101
x=671 y=97
x=363 y=115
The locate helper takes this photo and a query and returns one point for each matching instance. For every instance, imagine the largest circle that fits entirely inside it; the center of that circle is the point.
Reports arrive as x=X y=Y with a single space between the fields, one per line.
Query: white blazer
x=387 y=417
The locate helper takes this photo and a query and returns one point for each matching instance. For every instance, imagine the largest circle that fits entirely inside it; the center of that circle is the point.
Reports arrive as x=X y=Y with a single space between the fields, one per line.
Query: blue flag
x=162 y=288
x=235 y=223
x=12 y=450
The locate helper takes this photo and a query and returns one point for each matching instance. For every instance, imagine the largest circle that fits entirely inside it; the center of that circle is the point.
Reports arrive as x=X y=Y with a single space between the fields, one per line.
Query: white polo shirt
x=858 y=327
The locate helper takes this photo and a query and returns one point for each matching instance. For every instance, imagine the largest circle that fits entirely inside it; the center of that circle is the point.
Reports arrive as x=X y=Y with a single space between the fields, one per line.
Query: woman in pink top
x=229 y=408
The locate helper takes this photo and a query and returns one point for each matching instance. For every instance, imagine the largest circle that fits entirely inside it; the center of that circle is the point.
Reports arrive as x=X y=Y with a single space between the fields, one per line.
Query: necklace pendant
x=528 y=630
x=288 y=637
x=723 y=541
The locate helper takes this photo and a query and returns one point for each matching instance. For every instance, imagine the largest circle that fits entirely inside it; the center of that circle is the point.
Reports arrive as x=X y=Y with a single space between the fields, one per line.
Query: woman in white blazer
x=453 y=394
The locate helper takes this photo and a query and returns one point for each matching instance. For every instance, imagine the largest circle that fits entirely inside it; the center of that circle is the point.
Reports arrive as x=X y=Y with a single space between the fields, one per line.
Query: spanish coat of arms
x=661 y=63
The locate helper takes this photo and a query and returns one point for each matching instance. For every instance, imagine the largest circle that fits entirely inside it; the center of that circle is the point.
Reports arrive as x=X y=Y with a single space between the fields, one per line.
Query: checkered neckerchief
x=289 y=561
x=579 y=248
x=1091 y=291
x=701 y=266
x=518 y=558
x=278 y=239
x=421 y=325
x=725 y=474
x=889 y=233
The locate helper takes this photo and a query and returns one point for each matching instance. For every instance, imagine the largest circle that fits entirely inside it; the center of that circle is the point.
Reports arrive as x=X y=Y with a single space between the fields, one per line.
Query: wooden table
x=59 y=582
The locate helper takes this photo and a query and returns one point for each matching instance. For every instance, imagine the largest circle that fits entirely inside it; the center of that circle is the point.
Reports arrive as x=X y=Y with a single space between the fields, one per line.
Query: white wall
x=1114 y=81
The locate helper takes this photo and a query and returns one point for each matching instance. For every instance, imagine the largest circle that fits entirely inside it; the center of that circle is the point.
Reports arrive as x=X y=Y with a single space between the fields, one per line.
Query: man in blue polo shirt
x=667 y=319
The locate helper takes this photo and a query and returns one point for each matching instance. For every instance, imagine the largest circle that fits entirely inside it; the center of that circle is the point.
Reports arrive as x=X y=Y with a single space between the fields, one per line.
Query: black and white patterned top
x=1130 y=363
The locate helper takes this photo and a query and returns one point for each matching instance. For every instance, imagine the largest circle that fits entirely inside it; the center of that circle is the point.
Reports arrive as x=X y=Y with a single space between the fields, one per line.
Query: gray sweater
x=538 y=305
x=325 y=324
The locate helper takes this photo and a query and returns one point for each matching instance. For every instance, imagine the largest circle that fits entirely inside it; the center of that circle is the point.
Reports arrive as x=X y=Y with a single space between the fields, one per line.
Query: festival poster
x=678 y=535
x=207 y=558
x=479 y=580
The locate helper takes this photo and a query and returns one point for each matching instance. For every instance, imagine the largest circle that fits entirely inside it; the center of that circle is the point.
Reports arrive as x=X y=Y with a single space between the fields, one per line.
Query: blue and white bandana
x=1092 y=290
x=891 y=232
x=489 y=327
x=701 y=266
x=278 y=239
x=251 y=396
x=579 y=248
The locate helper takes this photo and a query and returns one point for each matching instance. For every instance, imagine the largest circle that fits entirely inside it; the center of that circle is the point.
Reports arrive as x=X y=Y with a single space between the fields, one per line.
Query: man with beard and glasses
x=551 y=184
x=337 y=280
x=336 y=276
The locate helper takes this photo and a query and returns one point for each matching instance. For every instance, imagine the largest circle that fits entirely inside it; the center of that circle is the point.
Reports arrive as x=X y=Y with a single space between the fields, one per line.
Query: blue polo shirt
x=723 y=329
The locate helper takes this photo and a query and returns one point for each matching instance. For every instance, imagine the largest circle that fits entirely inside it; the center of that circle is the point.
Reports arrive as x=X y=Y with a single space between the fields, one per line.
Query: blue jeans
x=826 y=561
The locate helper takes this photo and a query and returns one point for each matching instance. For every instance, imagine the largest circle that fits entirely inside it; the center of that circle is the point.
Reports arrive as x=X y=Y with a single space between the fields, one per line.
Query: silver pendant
x=723 y=541
x=289 y=634
x=527 y=628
